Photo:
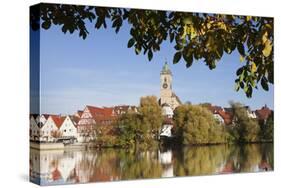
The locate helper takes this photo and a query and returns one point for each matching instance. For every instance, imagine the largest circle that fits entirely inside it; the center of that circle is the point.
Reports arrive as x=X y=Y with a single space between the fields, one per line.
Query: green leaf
x=270 y=77
x=63 y=29
x=264 y=83
x=178 y=47
x=241 y=49
x=249 y=91
x=46 y=24
x=241 y=77
x=177 y=57
x=131 y=42
x=98 y=23
x=239 y=71
x=150 y=55
x=246 y=88
x=188 y=59
x=172 y=36
x=241 y=84
x=253 y=83
x=137 y=50
x=211 y=63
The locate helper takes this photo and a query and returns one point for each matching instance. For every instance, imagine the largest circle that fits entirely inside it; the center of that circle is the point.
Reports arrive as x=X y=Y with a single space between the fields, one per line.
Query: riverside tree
x=246 y=129
x=196 y=125
x=130 y=129
x=142 y=127
x=151 y=114
x=195 y=36
x=267 y=132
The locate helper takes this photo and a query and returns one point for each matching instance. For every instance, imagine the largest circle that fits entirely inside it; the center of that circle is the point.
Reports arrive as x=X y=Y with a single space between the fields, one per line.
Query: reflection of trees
x=138 y=165
x=200 y=160
x=267 y=154
x=249 y=158
x=120 y=164
x=223 y=159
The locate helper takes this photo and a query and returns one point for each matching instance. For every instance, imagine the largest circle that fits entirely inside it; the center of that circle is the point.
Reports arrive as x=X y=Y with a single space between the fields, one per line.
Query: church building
x=167 y=96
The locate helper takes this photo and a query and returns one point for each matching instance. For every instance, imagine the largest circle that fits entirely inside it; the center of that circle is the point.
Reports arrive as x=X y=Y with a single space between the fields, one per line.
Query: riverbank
x=57 y=146
x=61 y=146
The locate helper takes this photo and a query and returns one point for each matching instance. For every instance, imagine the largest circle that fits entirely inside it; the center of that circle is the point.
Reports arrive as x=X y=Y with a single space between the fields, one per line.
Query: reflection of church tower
x=166 y=94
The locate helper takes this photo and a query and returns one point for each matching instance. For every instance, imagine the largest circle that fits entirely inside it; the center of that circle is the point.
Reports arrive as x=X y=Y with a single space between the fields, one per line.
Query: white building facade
x=68 y=128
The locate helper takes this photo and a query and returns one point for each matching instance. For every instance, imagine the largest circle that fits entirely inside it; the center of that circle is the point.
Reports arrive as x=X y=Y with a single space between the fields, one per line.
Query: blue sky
x=102 y=71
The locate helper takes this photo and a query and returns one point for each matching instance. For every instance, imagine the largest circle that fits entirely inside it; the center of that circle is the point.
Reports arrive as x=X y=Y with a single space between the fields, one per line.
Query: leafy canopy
x=197 y=36
x=247 y=128
x=197 y=125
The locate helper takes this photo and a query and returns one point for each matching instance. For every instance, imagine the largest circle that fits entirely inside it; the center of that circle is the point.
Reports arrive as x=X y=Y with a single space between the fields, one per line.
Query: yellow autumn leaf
x=253 y=67
x=241 y=58
x=267 y=48
x=264 y=37
x=208 y=25
x=248 y=18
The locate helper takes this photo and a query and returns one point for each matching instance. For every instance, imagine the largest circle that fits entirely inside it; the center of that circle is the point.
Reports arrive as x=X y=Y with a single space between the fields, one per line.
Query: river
x=54 y=167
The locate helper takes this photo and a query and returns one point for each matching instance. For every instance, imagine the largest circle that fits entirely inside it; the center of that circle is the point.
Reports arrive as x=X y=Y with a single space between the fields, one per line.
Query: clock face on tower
x=165 y=85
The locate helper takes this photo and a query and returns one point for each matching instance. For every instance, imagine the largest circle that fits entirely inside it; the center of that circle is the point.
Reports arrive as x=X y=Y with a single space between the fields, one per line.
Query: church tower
x=167 y=97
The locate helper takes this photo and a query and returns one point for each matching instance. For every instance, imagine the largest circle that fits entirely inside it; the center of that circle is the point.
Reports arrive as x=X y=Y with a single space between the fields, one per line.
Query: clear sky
x=102 y=71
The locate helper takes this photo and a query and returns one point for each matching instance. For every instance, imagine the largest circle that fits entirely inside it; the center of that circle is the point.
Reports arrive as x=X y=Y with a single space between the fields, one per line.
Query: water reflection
x=73 y=166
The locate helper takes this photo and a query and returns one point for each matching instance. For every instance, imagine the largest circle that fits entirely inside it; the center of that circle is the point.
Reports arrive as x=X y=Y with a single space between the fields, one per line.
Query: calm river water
x=75 y=166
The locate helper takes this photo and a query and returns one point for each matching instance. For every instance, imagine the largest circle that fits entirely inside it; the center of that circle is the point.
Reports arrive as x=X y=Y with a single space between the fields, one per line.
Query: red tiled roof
x=96 y=111
x=263 y=113
x=226 y=116
x=102 y=115
x=58 y=120
x=214 y=109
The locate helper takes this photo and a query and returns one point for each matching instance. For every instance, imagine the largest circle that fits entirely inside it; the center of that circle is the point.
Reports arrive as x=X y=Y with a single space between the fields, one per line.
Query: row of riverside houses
x=74 y=128
x=225 y=115
x=80 y=126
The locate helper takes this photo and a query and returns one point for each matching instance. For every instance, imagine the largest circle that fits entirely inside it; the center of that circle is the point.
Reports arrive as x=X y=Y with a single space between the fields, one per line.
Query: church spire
x=166 y=69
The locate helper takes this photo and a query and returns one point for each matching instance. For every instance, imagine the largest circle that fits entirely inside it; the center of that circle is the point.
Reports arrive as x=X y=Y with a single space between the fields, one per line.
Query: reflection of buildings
x=58 y=166
x=44 y=165
x=265 y=166
x=166 y=160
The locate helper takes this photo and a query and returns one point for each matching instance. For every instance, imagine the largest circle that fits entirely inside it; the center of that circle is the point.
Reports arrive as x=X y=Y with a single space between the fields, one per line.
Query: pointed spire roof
x=166 y=69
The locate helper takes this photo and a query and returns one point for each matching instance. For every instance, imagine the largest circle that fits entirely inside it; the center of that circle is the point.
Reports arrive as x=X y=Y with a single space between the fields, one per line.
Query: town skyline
x=148 y=94
x=92 y=77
